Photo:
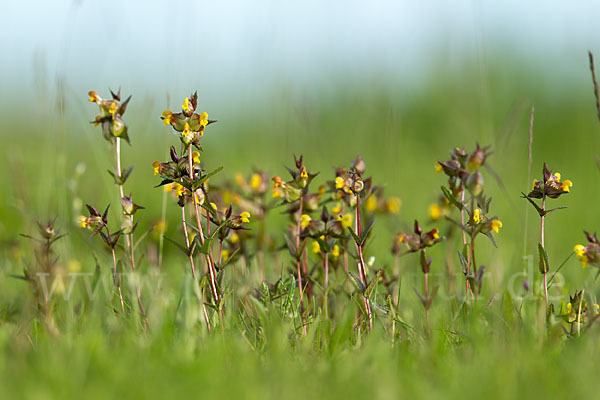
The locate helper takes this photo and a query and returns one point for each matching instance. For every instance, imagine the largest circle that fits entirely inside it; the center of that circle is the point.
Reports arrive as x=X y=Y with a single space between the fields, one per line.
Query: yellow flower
x=580 y=254
x=196 y=157
x=535 y=181
x=346 y=220
x=438 y=168
x=339 y=182
x=569 y=308
x=112 y=109
x=276 y=193
x=186 y=104
x=435 y=233
x=303 y=173
x=255 y=181
x=94 y=98
x=245 y=217
x=235 y=238
x=160 y=227
x=214 y=206
x=74 y=266
x=178 y=188
x=199 y=196
x=277 y=181
x=579 y=249
x=204 y=119
x=186 y=130
x=316 y=248
x=371 y=203
x=305 y=220
x=477 y=215
x=156 y=166
x=435 y=212
x=496 y=224
x=168 y=187
x=401 y=237
x=557 y=176
x=82 y=220
x=167 y=117
x=393 y=205
x=566 y=185
x=335 y=252
x=225 y=255
x=597 y=309
x=321 y=190
x=337 y=208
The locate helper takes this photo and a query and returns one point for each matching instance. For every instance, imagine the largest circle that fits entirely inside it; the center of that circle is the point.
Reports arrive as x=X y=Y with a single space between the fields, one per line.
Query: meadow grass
x=498 y=347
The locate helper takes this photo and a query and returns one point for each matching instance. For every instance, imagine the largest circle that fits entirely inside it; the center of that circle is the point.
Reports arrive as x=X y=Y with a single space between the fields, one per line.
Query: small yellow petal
x=435 y=212
x=305 y=220
x=316 y=248
x=496 y=225
x=186 y=104
x=335 y=252
x=255 y=181
x=346 y=220
x=477 y=215
x=225 y=255
x=245 y=217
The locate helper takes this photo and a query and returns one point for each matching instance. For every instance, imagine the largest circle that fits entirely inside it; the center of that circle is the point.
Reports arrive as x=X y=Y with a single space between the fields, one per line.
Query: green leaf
x=509 y=308
x=369 y=290
x=365 y=233
x=205 y=177
x=491 y=237
x=357 y=282
x=544 y=263
x=463 y=262
x=179 y=246
x=206 y=246
x=451 y=198
x=324 y=245
x=354 y=236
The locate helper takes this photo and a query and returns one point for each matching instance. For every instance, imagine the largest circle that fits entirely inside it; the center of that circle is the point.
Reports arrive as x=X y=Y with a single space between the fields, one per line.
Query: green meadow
x=499 y=343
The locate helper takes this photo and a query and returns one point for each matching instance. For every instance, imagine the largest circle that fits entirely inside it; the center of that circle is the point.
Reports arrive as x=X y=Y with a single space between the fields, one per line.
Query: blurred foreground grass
x=400 y=132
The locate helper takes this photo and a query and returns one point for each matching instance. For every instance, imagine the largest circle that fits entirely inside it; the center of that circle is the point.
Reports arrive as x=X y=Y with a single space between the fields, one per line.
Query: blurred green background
x=397 y=83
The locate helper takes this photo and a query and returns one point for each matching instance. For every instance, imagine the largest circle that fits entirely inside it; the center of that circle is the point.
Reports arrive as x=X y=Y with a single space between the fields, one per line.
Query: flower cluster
x=111 y=115
x=550 y=185
x=187 y=122
x=589 y=254
x=462 y=169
